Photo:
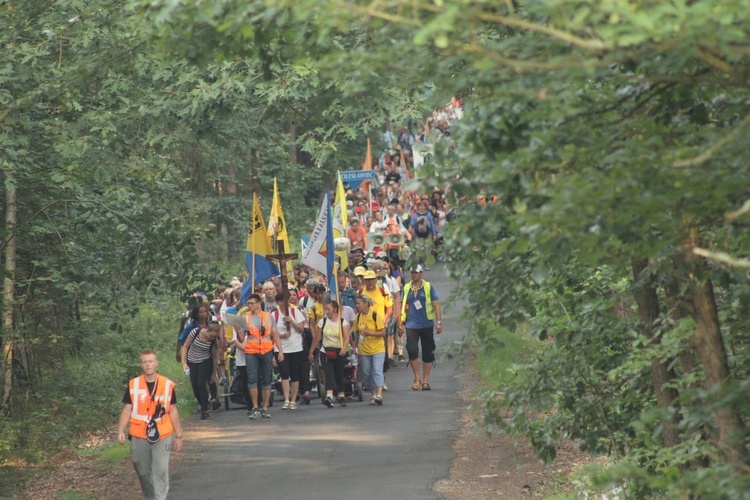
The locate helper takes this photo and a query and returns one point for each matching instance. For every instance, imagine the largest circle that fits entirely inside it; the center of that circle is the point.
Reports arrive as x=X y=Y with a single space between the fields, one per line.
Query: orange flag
x=367 y=165
x=404 y=166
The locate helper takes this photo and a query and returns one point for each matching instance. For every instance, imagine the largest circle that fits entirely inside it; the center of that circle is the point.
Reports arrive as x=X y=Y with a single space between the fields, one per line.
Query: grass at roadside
x=112 y=358
x=499 y=353
x=501 y=350
x=11 y=480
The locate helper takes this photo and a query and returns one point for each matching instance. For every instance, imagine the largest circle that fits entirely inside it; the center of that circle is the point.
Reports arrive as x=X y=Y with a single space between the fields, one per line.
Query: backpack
x=374 y=317
x=305 y=301
x=422 y=226
x=190 y=328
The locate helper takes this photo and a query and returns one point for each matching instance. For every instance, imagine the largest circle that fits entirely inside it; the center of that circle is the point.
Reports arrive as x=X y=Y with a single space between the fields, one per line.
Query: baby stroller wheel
x=321 y=389
x=360 y=392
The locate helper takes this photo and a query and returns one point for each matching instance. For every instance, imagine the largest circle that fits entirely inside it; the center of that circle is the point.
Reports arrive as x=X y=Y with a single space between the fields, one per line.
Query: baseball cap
x=359 y=271
x=370 y=275
x=417 y=268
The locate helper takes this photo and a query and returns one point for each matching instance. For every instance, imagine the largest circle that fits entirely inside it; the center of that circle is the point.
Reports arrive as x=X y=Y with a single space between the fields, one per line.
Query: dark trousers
x=304 y=368
x=425 y=336
x=334 y=371
x=200 y=374
x=291 y=367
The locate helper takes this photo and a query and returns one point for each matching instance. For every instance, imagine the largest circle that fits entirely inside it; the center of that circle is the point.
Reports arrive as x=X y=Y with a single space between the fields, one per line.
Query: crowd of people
x=392 y=231
x=299 y=329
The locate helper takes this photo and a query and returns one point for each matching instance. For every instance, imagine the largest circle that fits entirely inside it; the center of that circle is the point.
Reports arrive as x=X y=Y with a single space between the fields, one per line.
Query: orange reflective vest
x=144 y=406
x=255 y=342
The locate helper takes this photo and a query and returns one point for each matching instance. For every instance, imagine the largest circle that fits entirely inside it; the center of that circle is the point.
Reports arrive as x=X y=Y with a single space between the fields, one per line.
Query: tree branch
x=722 y=257
x=590 y=44
x=689 y=162
x=713 y=61
x=43 y=210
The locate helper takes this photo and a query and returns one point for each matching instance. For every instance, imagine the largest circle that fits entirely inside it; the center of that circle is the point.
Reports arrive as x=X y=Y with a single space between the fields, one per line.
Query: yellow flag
x=339 y=219
x=256 y=250
x=277 y=226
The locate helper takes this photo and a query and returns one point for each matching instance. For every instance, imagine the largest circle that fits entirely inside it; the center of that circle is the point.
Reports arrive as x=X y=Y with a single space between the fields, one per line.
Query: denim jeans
x=372 y=370
x=260 y=367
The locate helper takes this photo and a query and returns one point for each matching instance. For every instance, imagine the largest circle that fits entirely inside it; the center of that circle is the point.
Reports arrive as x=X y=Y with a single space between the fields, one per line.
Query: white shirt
x=239 y=354
x=294 y=342
x=378 y=226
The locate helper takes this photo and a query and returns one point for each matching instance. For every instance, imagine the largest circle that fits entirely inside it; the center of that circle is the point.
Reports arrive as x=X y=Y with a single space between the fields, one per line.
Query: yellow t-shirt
x=332 y=333
x=381 y=299
x=369 y=345
x=316 y=313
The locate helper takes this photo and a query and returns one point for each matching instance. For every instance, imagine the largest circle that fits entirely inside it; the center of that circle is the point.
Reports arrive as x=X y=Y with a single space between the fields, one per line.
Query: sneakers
x=254 y=413
x=204 y=415
x=264 y=413
x=286 y=405
x=292 y=406
x=328 y=401
x=426 y=267
x=372 y=402
x=224 y=381
x=215 y=404
x=393 y=363
x=385 y=387
x=379 y=400
x=342 y=401
x=306 y=398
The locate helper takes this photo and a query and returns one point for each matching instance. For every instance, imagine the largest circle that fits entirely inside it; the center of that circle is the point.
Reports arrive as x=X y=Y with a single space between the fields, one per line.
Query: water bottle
x=187 y=371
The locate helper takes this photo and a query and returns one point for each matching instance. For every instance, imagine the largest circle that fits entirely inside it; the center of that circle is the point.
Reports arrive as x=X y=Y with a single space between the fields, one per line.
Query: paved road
x=360 y=451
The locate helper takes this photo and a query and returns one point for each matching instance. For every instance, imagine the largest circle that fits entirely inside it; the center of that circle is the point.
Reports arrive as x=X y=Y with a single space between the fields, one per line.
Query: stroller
x=235 y=389
x=352 y=378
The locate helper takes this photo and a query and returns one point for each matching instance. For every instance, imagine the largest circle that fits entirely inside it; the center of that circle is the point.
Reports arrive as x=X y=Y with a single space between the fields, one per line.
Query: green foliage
x=11 y=480
x=84 y=392
x=134 y=168
x=611 y=133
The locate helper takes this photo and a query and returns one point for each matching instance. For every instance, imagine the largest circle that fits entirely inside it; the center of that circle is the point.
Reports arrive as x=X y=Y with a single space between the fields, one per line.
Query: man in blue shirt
x=420 y=315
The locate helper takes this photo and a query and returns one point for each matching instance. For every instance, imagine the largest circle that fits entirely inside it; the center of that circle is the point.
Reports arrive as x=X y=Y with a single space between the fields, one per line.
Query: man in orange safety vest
x=150 y=407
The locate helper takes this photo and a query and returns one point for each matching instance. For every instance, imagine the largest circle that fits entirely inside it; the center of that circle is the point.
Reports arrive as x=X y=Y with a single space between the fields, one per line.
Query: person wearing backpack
x=382 y=305
x=422 y=227
x=290 y=328
x=199 y=317
x=371 y=330
x=334 y=332
x=200 y=358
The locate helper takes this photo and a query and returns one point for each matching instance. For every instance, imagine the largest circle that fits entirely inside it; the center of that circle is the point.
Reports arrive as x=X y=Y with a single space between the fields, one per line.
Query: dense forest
x=133 y=132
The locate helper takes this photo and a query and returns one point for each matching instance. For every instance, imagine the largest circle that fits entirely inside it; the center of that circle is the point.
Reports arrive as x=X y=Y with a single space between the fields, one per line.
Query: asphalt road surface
x=397 y=450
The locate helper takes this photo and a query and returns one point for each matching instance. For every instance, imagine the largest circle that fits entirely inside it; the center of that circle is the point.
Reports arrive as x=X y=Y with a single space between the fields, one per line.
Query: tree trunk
x=648 y=313
x=233 y=240
x=292 y=142
x=11 y=219
x=709 y=345
x=219 y=245
x=677 y=311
